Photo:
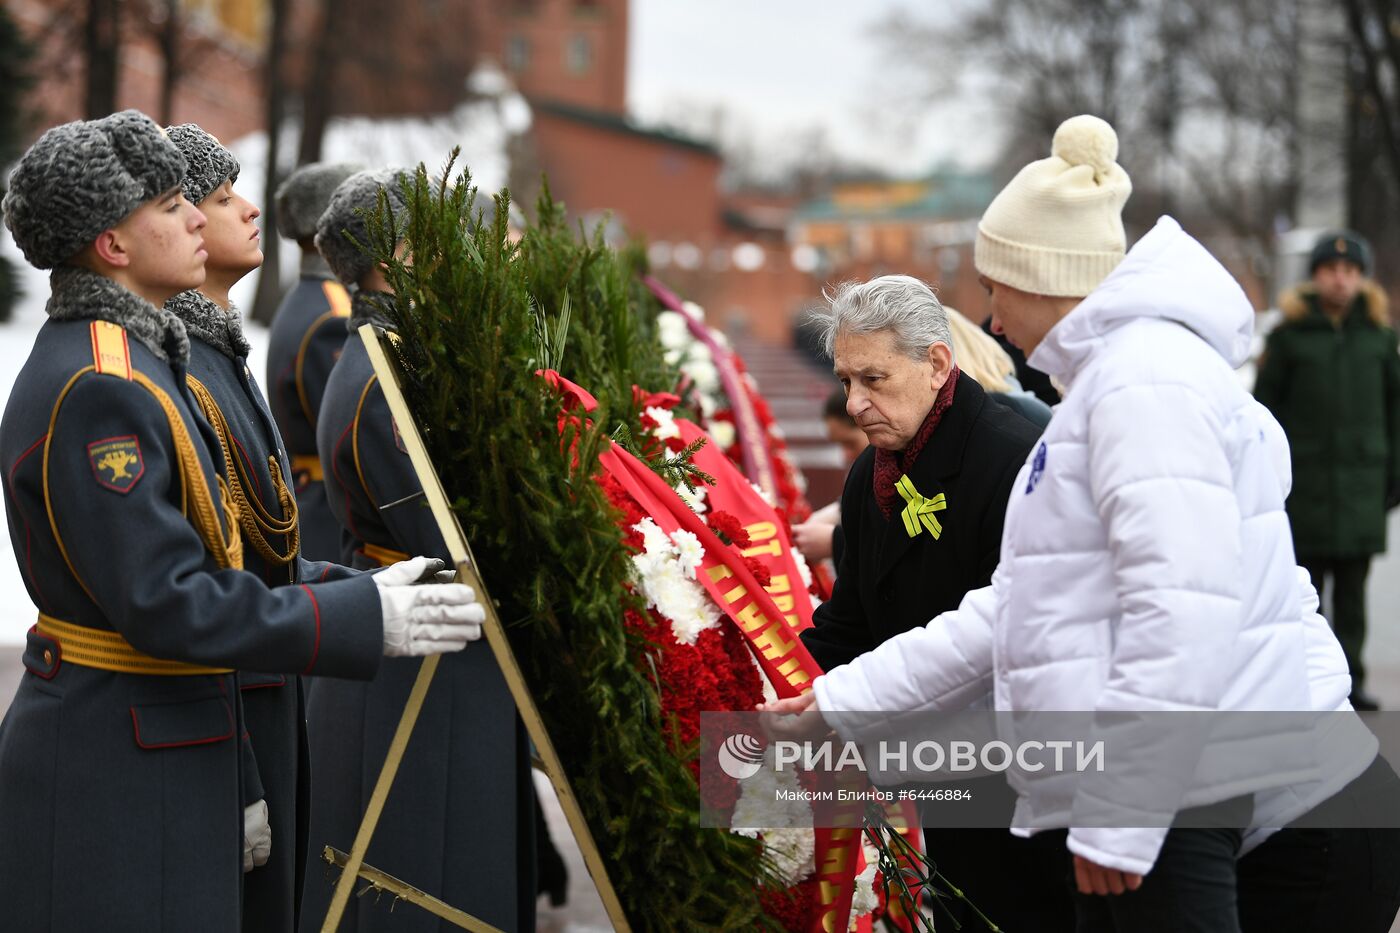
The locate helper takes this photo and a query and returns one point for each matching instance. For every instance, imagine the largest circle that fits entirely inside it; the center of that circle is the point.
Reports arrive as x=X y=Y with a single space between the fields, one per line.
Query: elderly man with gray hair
x=922 y=512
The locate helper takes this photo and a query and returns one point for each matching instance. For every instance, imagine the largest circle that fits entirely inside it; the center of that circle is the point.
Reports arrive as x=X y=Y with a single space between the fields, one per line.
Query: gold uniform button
x=48 y=655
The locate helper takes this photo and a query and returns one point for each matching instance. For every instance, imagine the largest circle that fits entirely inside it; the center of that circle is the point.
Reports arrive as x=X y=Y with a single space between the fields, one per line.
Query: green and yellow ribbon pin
x=919 y=510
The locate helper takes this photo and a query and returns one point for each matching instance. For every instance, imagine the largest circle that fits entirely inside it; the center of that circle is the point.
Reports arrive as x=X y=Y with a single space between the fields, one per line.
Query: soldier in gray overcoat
x=307 y=335
x=459 y=821
x=256 y=471
x=123 y=754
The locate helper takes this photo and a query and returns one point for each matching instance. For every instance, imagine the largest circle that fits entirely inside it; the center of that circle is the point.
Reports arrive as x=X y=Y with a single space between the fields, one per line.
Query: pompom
x=1086 y=140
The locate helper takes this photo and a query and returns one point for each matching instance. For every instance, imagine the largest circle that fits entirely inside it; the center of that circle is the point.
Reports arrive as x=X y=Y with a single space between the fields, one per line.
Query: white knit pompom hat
x=1057 y=227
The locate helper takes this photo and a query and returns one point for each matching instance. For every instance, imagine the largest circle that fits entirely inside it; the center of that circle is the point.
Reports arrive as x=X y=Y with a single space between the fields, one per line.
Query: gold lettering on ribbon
x=772 y=643
x=751 y=618
x=759 y=532
x=838 y=857
x=792 y=670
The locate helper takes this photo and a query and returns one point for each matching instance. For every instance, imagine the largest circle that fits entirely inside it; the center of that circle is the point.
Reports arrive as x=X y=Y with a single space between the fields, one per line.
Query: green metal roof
x=948 y=196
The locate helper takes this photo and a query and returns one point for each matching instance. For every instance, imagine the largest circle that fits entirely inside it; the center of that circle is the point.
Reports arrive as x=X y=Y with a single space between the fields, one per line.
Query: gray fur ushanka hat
x=345 y=218
x=303 y=197
x=208 y=163
x=84 y=177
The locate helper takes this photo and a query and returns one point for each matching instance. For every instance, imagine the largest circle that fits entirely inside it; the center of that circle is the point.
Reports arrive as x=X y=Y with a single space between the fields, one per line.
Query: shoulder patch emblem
x=116 y=462
x=1037 y=468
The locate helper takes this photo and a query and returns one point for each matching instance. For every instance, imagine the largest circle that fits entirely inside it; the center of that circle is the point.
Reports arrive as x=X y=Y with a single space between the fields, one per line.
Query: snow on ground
x=482 y=128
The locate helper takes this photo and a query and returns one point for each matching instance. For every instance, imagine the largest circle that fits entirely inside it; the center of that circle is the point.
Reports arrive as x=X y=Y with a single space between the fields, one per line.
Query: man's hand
x=1092 y=878
x=794 y=719
x=813 y=539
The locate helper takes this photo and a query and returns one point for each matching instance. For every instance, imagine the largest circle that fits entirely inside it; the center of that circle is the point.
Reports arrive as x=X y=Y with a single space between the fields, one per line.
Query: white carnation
x=802 y=569
x=689 y=550
x=694 y=498
x=693 y=310
x=761 y=808
x=704 y=374
x=723 y=434
x=672 y=329
x=865 y=900
x=654 y=540
x=792 y=853
x=666 y=427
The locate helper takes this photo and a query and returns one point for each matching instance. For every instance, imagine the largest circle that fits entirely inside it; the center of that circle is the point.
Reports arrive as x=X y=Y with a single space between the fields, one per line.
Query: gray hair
x=900 y=304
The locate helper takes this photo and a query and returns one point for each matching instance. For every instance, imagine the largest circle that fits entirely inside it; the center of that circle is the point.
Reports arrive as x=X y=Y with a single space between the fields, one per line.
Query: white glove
x=257 y=836
x=418 y=620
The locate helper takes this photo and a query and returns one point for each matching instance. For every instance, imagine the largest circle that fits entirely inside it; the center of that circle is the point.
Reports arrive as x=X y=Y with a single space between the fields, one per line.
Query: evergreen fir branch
x=622 y=437
x=476 y=314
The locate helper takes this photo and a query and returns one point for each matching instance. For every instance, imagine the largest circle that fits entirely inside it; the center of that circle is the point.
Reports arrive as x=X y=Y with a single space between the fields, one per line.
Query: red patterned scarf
x=890 y=465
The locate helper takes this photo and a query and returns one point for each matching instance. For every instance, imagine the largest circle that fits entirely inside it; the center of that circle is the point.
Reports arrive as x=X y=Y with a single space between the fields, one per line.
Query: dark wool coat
x=1336 y=391
x=305 y=342
x=458 y=823
x=274 y=704
x=888 y=582
x=121 y=797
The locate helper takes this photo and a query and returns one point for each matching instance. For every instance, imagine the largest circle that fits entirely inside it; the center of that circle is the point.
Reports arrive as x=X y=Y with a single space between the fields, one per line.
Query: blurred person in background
x=983 y=358
x=819 y=537
x=307 y=335
x=1330 y=374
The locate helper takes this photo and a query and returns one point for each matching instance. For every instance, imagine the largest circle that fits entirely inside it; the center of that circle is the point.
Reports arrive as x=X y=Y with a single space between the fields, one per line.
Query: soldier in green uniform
x=307 y=335
x=1331 y=376
x=122 y=755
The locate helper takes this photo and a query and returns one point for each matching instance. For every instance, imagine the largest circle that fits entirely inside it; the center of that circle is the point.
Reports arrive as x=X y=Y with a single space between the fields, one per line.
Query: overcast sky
x=780 y=65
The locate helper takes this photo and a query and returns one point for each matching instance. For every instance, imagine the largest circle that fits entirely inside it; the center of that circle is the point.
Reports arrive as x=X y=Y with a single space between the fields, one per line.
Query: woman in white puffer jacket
x=1147 y=563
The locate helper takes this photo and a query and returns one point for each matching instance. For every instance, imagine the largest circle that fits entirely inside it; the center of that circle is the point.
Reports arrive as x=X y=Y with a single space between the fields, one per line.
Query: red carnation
x=729 y=528
x=760 y=572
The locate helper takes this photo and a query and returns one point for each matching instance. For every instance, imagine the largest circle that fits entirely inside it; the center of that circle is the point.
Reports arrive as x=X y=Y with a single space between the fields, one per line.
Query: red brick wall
x=546 y=28
x=659 y=189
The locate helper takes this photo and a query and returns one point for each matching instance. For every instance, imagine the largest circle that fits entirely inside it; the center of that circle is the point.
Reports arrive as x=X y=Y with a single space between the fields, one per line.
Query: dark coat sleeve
x=1391 y=373
x=839 y=631
x=321 y=571
x=1271 y=380
x=993 y=518
x=148 y=569
x=392 y=483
